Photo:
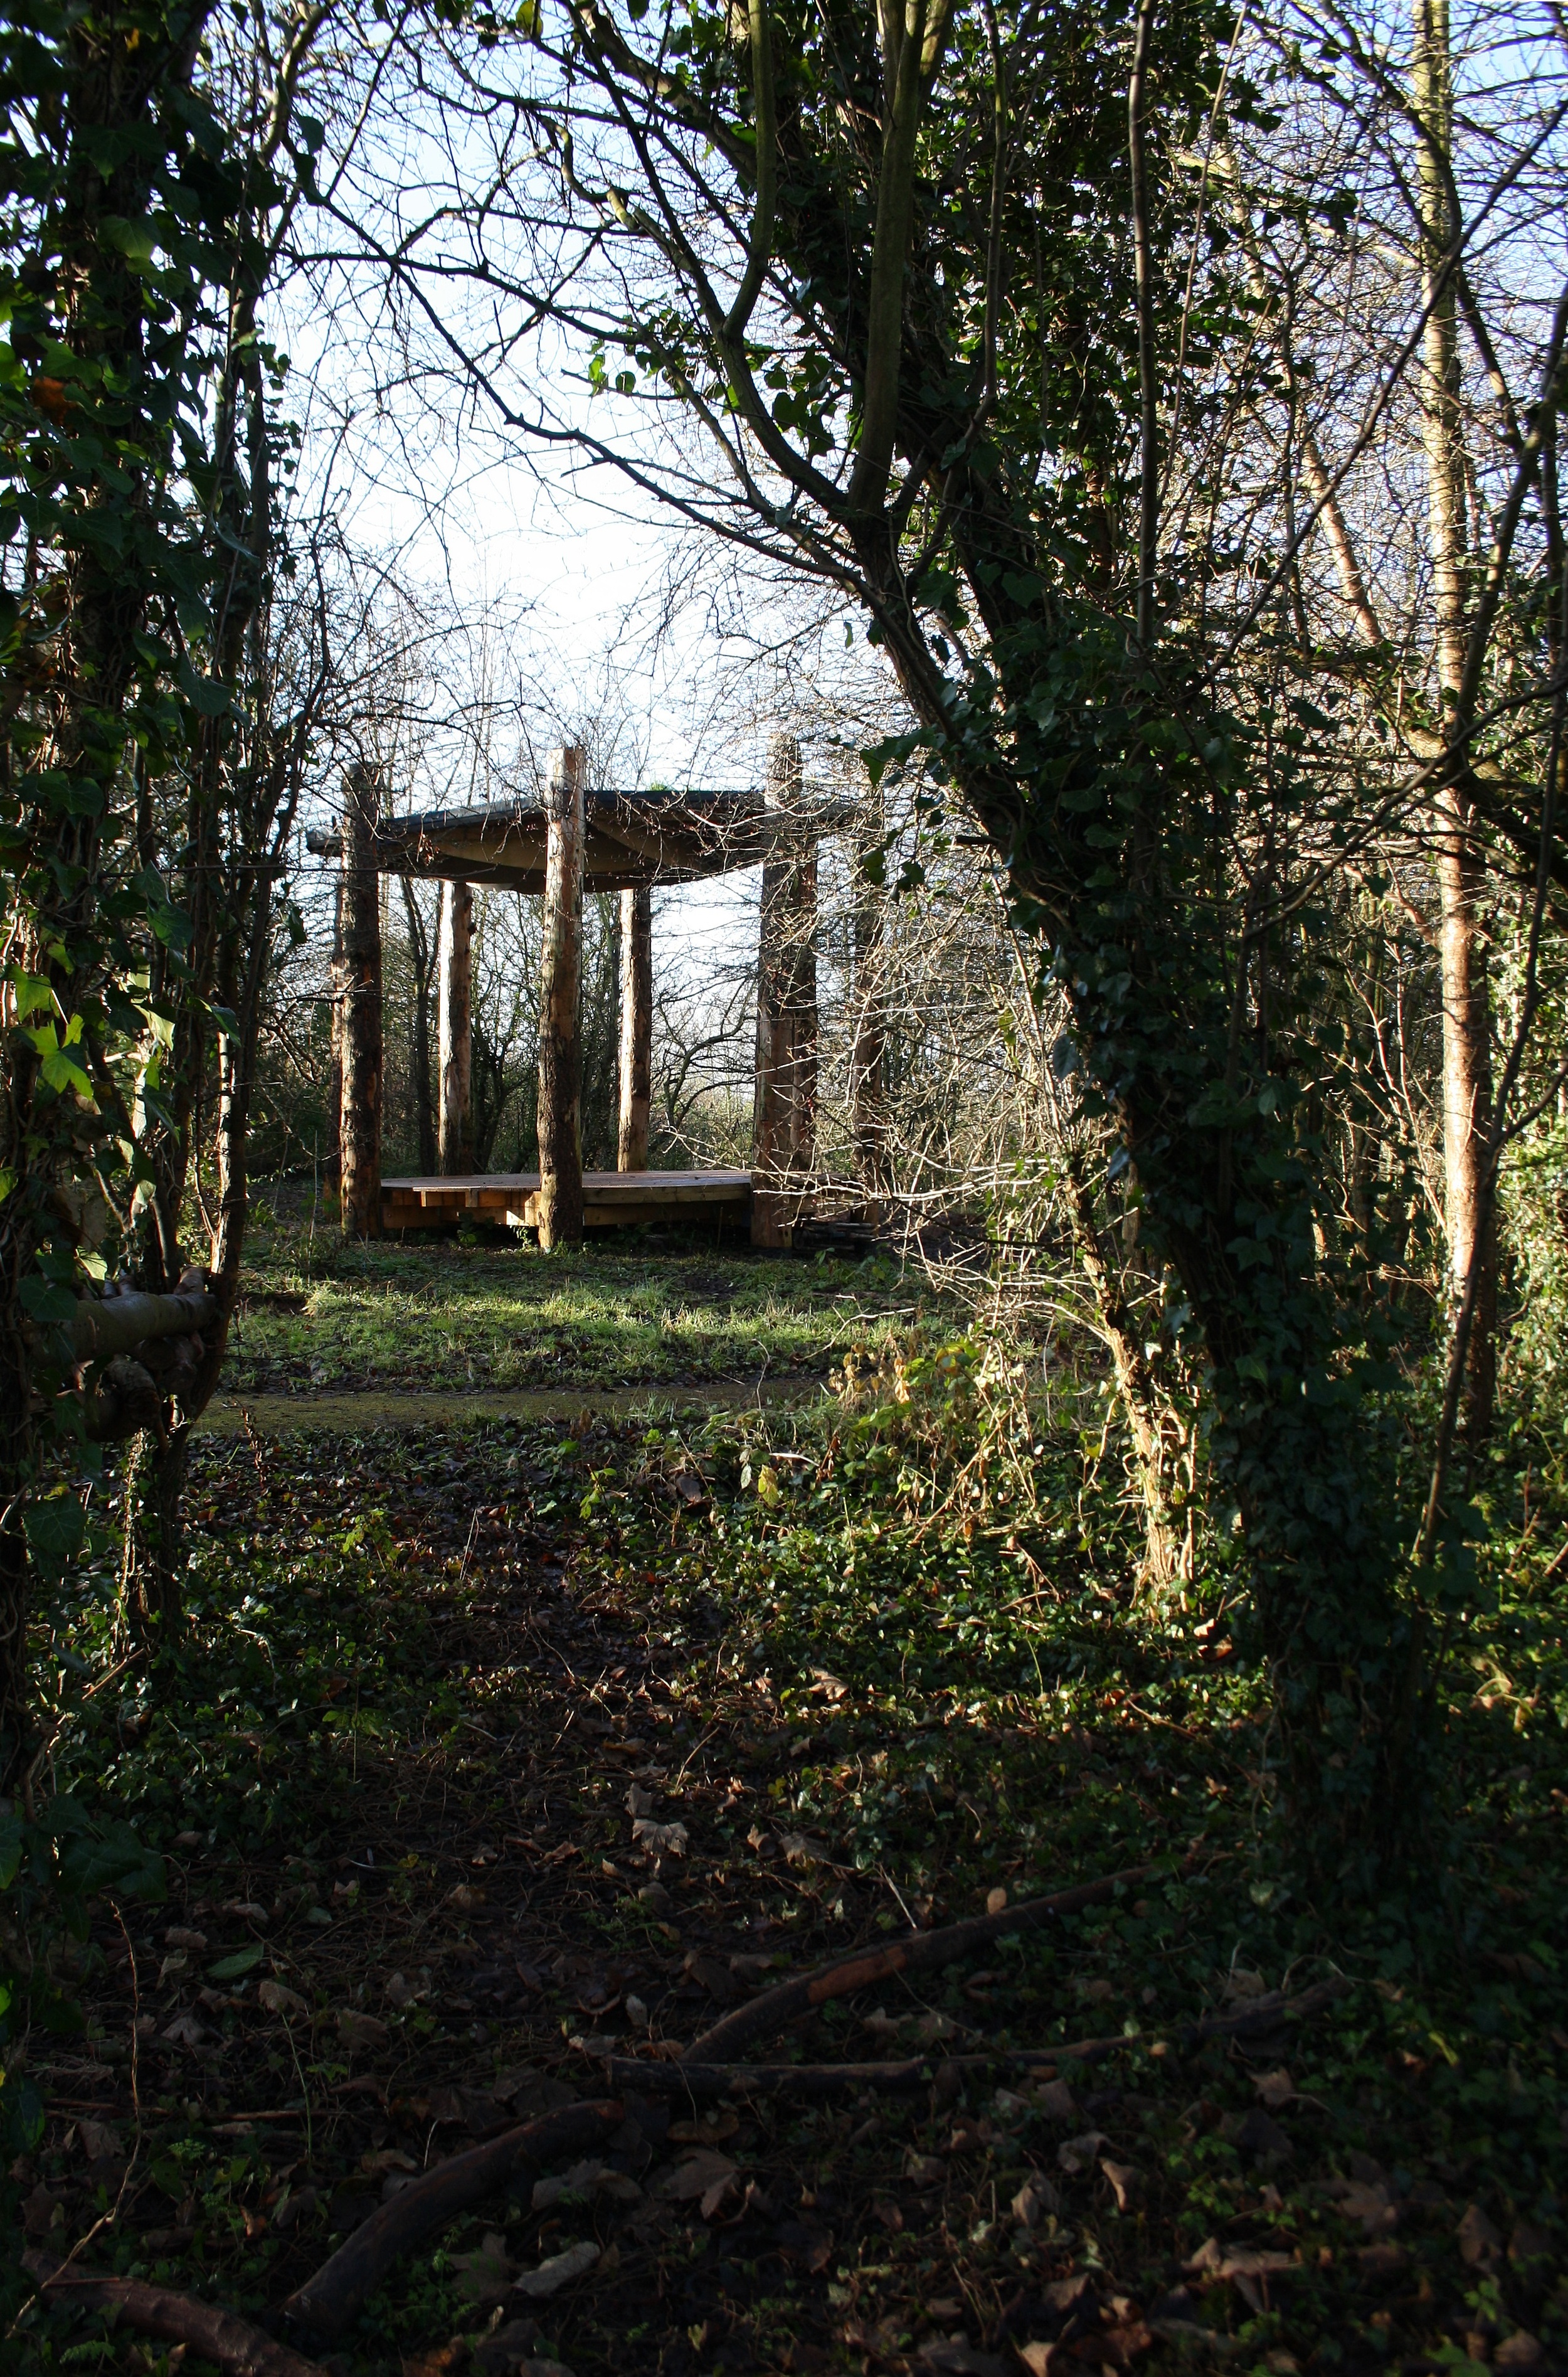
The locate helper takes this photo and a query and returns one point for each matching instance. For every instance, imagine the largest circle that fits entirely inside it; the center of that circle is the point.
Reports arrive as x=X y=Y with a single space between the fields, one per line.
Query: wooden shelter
x=558 y=844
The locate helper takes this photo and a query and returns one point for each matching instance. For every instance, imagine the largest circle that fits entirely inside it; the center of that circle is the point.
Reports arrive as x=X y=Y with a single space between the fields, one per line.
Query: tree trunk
x=1156 y=1432
x=784 y=1128
x=455 y=1038
x=559 y=1205
x=1466 y=1019
x=361 y=1132
x=637 y=1026
x=154 y=1535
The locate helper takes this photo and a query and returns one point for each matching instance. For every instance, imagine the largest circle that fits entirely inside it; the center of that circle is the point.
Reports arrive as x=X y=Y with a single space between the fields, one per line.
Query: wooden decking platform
x=607 y=1198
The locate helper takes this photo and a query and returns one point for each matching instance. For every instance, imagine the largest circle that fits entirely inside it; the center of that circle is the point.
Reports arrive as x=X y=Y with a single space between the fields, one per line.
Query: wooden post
x=335 y=1083
x=455 y=1029
x=868 y=1096
x=784 y=1131
x=360 y=1134
x=637 y=1026
x=560 y=1206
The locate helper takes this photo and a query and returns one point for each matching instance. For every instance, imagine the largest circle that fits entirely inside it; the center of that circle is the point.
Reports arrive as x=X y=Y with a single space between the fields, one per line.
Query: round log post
x=784 y=1131
x=868 y=1096
x=559 y=1205
x=637 y=1026
x=333 y=1166
x=455 y=1129
x=360 y=1135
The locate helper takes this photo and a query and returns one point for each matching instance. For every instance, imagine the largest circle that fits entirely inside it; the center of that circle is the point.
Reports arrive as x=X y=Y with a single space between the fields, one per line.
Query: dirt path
x=349 y=1414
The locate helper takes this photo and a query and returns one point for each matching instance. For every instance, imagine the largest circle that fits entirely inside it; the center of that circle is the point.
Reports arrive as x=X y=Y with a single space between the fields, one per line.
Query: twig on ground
x=919 y=1951
x=329 y=2300
x=206 y=2329
x=708 y=2080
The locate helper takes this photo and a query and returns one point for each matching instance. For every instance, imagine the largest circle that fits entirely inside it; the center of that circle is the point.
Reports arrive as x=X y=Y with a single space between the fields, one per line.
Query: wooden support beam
x=637 y=1026
x=560 y=1200
x=784 y=1129
x=455 y=1029
x=360 y=1136
x=334 y=1165
x=868 y=1093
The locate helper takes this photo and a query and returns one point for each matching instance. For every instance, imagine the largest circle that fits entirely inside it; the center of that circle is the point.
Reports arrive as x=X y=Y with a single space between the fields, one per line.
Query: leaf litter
x=430 y=1817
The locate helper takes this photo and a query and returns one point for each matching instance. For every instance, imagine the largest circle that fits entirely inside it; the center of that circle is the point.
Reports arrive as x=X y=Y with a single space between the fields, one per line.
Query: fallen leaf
x=381 y=2159
x=954 y=2358
x=1126 y=2182
x=463 y=1899
x=995 y=1900
x=1117 y=2346
x=185 y=2031
x=696 y=2177
x=1520 y=2351
x=100 y=2139
x=245 y=1910
x=1241 y=1986
x=485 y=2276
x=1276 y=2088
x=889 y=2215
x=802 y=2242
x=1035 y=2199
x=359 y=2031
x=636 y=2012
x=498 y=2355
x=438 y=2359
x=172 y=1967
x=1036 y=2358
x=933 y=2026
x=1479 y=2240
x=179 y=1937
x=1056 y=2101
x=400 y=1994
x=1070 y=2294
x=709 y=2130
x=1077 y=2154
x=558 y=2271
x=1368 y=2203
x=924 y=2168
x=277 y=1999
x=803 y=1849
x=663 y=1840
x=233 y=1968
x=581 y=2180
x=638 y=1802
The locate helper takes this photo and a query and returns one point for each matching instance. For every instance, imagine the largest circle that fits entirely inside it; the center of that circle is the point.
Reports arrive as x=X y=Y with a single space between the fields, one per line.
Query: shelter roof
x=629 y=838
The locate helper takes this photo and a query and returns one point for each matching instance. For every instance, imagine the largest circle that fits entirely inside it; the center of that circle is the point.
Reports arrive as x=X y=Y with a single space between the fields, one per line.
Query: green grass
x=616 y=1312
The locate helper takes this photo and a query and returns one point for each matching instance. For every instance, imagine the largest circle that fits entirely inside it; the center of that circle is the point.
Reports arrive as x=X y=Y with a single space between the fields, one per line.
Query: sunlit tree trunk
x=1467 y=1040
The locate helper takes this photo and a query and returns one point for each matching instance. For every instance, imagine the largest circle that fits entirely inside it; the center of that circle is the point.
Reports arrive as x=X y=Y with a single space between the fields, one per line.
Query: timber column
x=455 y=1128
x=360 y=1132
x=637 y=1026
x=784 y=1128
x=559 y=1205
x=868 y=1089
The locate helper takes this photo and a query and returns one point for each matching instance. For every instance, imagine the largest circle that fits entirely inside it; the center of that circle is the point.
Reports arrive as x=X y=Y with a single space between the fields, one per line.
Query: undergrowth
x=872 y=1665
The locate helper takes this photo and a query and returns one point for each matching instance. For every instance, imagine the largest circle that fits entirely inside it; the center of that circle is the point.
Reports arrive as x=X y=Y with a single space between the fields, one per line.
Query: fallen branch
x=206 y=2329
x=707 y=2081
x=329 y=2300
x=918 y=1952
